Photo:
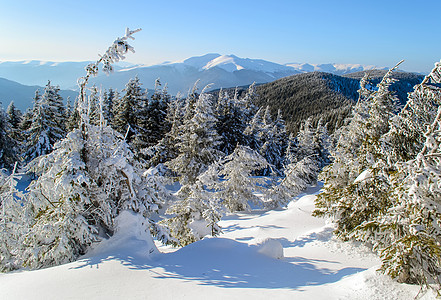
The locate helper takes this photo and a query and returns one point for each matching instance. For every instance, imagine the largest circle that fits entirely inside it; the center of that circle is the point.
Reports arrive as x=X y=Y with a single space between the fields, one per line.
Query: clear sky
x=371 y=32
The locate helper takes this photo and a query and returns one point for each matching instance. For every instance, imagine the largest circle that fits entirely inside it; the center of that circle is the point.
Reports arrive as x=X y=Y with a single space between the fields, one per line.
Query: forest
x=181 y=163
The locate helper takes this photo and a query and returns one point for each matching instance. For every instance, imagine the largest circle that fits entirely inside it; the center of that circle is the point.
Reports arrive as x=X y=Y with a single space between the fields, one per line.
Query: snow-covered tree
x=273 y=139
x=48 y=123
x=77 y=198
x=356 y=184
x=84 y=184
x=234 y=183
x=407 y=234
x=110 y=98
x=298 y=175
x=13 y=221
x=166 y=148
x=8 y=144
x=230 y=123
x=14 y=115
x=194 y=215
x=126 y=110
x=152 y=120
x=254 y=131
x=197 y=140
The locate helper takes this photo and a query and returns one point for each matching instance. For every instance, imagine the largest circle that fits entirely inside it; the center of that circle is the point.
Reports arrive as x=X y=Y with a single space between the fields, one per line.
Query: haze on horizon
x=377 y=33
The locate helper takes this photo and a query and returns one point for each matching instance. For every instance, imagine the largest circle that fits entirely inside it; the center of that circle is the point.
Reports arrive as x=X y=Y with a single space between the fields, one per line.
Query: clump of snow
x=271 y=247
x=132 y=235
x=366 y=174
x=200 y=228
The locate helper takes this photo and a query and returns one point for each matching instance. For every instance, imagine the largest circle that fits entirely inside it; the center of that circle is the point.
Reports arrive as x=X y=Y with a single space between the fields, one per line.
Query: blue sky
x=372 y=32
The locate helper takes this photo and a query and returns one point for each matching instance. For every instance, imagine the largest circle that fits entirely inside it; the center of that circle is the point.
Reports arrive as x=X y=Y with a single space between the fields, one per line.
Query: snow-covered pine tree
x=81 y=187
x=14 y=115
x=84 y=184
x=298 y=175
x=407 y=235
x=8 y=145
x=48 y=123
x=93 y=105
x=194 y=215
x=152 y=121
x=197 y=150
x=230 y=123
x=246 y=103
x=166 y=149
x=127 y=109
x=13 y=221
x=354 y=202
x=197 y=141
x=234 y=182
x=273 y=139
x=254 y=131
x=110 y=97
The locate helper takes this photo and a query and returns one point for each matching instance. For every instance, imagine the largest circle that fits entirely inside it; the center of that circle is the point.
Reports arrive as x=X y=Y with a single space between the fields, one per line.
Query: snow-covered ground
x=281 y=254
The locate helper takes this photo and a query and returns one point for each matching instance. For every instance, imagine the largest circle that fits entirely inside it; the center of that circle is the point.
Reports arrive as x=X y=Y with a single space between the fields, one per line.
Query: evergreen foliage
x=48 y=123
x=197 y=141
x=386 y=194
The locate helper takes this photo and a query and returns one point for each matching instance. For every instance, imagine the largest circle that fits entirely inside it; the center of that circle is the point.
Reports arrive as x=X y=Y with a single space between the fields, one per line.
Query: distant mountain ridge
x=23 y=95
x=222 y=71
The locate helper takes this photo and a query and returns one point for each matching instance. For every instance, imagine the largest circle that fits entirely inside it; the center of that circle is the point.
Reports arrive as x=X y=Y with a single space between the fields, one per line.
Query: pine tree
x=166 y=148
x=407 y=235
x=84 y=184
x=8 y=145
x=194 y=215
x=152 y=121
x=234 y=182
x=230 y=123
x=127 y=109
x=13 y=221
x=110 y=97
x=47 y=123
x=14 y=115
x=197 y=140
x=197 y=143
x=356 y=200
x=254 y=131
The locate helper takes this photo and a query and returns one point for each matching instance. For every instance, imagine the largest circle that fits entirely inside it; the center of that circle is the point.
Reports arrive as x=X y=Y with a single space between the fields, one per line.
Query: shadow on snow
x=229 y=264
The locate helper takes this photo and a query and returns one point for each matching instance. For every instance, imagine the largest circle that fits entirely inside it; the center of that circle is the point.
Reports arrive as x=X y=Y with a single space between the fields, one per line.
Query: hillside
x=326 y=95
x=310 y=94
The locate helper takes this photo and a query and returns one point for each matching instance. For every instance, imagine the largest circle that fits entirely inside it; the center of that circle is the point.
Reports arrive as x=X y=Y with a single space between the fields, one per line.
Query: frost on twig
x=114 y=54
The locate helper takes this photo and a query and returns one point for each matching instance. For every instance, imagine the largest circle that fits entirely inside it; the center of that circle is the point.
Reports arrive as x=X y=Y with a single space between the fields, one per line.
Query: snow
x=242 y=263
x=334 y=68
x=366 y=174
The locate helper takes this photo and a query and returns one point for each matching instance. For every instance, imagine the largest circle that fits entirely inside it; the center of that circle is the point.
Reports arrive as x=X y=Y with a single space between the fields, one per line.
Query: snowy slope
x=237 y=265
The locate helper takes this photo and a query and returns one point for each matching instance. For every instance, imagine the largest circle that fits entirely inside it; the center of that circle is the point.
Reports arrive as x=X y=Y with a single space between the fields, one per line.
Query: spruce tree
x=406 y=234
x=230 y=123
x=357 y=183
x=197 y=140
x=48 y=123
x=234 y=183
x=127 y=109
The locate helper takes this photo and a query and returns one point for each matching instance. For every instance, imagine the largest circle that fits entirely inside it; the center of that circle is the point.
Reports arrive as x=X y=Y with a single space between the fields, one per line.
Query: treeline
x=325 y=96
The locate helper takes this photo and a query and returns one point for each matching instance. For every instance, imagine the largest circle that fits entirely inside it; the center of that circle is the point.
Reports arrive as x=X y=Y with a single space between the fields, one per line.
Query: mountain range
x=222 y=71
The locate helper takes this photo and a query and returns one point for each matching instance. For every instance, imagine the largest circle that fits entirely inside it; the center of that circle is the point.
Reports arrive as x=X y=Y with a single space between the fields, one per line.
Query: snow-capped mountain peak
x=227 y=62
